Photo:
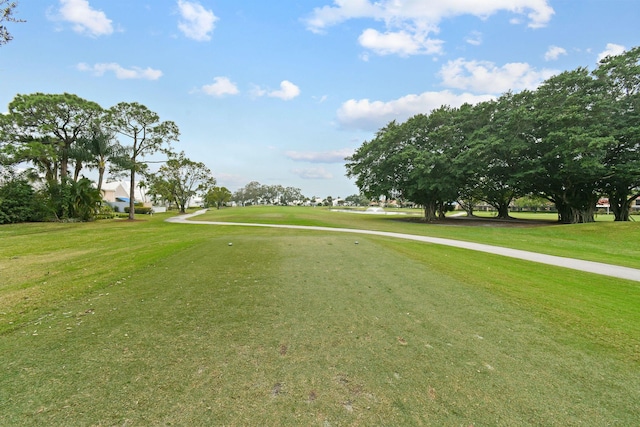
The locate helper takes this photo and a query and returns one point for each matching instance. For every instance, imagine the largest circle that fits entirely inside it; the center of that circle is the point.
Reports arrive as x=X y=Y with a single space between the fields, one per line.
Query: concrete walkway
x=575 y=264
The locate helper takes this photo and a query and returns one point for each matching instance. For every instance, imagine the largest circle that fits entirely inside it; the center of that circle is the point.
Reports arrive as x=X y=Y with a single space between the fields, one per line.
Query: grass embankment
x=290 y=327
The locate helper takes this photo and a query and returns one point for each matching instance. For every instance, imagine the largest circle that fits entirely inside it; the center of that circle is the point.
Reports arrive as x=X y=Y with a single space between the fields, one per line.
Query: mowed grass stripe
x=608 y=242
x=290 y=327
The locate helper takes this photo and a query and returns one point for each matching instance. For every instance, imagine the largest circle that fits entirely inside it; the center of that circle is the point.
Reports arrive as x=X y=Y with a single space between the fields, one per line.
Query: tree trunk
x=583 y=216
x=132 y=189
x=442 y=210
x=467 y=205
x=100 y=177
x=64 y=161
x=571 y=215
x=621 y=206
x=575 y=210
x=77 y=170
x=503 y=210
x=430 y=211
x=622 y=211
x=564 y=211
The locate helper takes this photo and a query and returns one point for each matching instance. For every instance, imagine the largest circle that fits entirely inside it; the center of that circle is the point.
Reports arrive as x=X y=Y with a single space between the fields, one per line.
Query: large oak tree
x=620 y=77
x=572 y=140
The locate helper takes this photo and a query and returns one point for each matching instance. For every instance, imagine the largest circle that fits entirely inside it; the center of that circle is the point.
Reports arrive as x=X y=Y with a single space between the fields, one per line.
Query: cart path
x=575 y=264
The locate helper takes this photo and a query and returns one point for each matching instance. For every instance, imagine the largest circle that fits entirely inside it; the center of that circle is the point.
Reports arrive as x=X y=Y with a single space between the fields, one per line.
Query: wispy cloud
x=231 y=181
x=287 y=91
x=554 y=52
x=475 y=38
x=400 y=43
x=312 y=173
x=196 y=22
x=612 y=49
x=84 y=19
x=372 y=115
x=409 y=25
x=487 y=77
x=221 y=86
x=480 y=81
x=121 y=72
x=335 y=156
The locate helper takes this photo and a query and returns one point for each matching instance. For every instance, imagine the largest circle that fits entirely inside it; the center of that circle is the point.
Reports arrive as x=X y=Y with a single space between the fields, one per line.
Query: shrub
x=17 y=202
x=139 y=210
x=71 y=200
x=105 y=212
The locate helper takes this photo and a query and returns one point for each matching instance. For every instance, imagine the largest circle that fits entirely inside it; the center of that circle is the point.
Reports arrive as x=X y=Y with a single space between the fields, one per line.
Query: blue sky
x=281 y=91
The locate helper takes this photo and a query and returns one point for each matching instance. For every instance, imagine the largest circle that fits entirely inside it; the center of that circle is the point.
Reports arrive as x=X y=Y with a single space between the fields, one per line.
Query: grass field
x=609 y=242
x=150 y=323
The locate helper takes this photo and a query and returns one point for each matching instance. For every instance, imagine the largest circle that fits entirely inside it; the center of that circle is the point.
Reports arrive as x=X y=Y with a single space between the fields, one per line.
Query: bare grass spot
x=276 y=390
x=283 y=349
x=432 y=393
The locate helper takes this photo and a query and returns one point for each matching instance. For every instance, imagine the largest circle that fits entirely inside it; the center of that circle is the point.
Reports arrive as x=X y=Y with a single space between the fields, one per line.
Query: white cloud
x=286 y=92
x=402 y=43
x=84 y=19
x=220 y=87
x=231 y=181
x=486 y=77
x=312 y=173
x=372 y=115
x=554 y=53
x=475 y=38
x=342 y=10
x=335 y=156
x=408 y=23
x=611 y=50
x=121 y=72
x=481 y=81
x=257 y=91
x=197 y=23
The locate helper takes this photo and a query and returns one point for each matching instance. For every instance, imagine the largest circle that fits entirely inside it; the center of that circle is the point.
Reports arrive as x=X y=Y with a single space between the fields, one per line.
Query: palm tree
x=102 y=148
x=85 y=200
x=80 y=154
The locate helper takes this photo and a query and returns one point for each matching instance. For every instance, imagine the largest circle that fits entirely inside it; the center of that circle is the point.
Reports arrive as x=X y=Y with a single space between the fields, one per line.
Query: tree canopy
x=621 y=80
x=145 y=134
x=6 y=15
x=255 y=193
x=179 y=179
x=58 y=135
x=44 y=129
x=572 y=140
x=217 y=196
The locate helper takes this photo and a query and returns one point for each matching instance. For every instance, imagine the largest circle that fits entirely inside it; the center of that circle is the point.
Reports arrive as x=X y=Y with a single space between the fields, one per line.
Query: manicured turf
x=290 y=327
x=608 y=241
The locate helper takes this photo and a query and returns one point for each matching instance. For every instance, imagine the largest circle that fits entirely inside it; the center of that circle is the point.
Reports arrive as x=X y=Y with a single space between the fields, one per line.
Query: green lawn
x=607 y=241
x=150 y=323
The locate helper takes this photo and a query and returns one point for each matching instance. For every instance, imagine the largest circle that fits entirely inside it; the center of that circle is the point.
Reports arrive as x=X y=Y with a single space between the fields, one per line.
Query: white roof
x=112 y=185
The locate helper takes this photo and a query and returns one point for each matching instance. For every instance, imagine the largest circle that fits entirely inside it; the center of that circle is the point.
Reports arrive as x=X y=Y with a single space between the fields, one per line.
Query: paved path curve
x=575 y=264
